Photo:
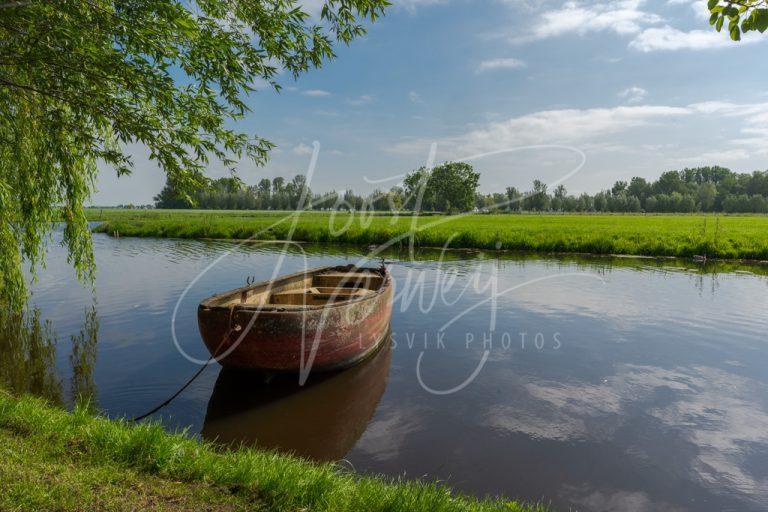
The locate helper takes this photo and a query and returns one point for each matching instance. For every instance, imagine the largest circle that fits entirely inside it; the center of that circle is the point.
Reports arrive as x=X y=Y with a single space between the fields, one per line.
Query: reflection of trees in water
x=83 y=359
x=28 y=356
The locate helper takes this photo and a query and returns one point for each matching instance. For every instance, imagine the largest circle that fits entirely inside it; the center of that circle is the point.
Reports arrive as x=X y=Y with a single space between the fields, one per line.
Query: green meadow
x=55 y=460
x=716 y=236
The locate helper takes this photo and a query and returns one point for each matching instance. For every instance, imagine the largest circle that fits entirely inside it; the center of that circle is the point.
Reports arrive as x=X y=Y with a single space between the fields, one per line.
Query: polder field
x=716 y=236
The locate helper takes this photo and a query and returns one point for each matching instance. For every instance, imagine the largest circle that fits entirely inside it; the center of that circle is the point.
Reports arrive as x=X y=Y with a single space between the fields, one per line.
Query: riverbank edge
x=106 y=228
x=521 y=252
x=254 y=479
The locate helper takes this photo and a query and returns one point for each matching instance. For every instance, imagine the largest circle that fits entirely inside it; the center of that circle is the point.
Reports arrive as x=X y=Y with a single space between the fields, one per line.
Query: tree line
x=452 y=188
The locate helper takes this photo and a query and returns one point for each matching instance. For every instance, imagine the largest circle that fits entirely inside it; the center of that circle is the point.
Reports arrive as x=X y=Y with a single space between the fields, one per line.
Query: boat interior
x=312 y=289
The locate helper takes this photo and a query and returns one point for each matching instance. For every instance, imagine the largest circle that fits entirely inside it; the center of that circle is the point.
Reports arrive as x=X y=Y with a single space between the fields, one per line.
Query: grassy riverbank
x=54 y=460
x=728 y=237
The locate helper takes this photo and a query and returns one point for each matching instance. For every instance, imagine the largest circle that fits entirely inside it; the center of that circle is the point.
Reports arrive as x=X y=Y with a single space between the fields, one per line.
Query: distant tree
x=514 y=199
x=619 y=187
x=264 y=193
x=396 y=198
x=758 y=184
x=706 y=196
x=758 y=204
x=633 y=204
x=278 y=185
x=558 y=198
x=295 y=190
x=687 y=204
x=570 y=204
x=419 y=195
x=669 y=182
x=639 y=188
x=494 y=202
x=736 y=203
x=169 y=198
x=600 y=202
x=279 y=199
x=538 y=199
x=454 y=185
x=380 y=201
x=353 y=201
x=704 y=188
x=586 y=203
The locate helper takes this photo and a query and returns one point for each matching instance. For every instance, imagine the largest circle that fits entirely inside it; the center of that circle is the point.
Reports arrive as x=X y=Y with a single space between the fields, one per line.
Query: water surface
x=591 y=384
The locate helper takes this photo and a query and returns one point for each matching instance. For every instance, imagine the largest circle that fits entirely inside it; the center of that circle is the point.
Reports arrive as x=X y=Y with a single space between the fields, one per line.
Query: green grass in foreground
x=54 y=460
x=728 y=237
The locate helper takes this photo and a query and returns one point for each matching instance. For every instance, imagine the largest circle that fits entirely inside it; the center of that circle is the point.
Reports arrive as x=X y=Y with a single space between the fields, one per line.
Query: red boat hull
x=305 y=339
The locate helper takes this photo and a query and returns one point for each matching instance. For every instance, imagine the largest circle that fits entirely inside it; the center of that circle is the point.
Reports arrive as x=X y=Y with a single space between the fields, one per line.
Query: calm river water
x=590 y=384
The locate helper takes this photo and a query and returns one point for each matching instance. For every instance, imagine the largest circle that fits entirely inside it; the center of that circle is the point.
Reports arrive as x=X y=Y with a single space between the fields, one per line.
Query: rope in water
x=191 y=379
x=173 y=396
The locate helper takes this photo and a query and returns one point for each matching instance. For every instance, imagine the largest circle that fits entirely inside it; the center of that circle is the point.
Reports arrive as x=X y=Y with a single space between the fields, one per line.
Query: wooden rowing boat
x=329 y=317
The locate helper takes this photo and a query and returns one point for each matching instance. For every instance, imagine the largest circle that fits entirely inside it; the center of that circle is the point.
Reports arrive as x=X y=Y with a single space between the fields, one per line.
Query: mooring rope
x=199 y=372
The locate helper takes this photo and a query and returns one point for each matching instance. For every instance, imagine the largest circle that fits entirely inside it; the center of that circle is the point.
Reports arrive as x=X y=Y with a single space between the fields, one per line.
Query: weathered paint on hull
x=273 y=340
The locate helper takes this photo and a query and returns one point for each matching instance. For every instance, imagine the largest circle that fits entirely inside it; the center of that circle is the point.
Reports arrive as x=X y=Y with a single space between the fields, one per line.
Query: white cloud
x=360 y=100
x=755 y=132
x=620 y=16
x=728 y=423
x=699 y=7
x=669 y=38
x=549 y=126
x=386 y=434
x=507 y=63
x=633 y=94
x=595 y=130
x=302 y=149
x=627 y=17
x=755 y=112
x=716 y=157
x=414 y=97
x=316 y=93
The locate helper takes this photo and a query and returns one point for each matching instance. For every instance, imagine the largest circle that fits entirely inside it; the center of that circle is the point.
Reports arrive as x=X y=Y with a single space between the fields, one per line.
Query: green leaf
x=760 y=20
x=719 y=24
x=735 y=33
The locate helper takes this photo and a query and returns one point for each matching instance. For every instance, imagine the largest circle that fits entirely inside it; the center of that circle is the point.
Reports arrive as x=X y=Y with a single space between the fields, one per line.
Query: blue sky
x=637 y=87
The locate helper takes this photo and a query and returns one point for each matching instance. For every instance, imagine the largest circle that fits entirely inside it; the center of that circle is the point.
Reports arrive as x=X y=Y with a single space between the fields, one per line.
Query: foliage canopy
x=741 y=15
x=450 y=187
x=82 y=80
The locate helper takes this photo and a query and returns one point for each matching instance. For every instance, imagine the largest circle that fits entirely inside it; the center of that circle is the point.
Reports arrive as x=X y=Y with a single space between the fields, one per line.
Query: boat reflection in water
x=321 y=420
